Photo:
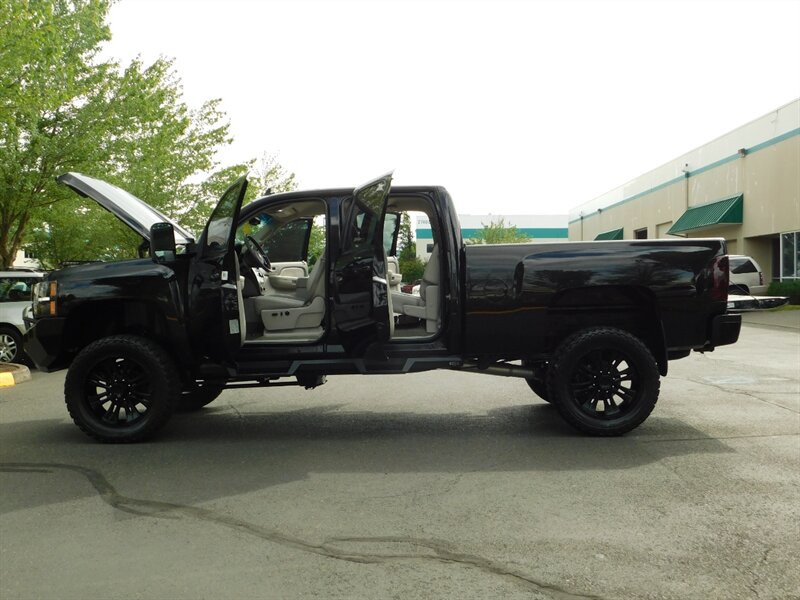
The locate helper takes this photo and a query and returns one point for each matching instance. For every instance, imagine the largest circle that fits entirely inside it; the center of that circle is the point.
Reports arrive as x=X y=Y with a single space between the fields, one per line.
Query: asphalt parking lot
x=437 y=485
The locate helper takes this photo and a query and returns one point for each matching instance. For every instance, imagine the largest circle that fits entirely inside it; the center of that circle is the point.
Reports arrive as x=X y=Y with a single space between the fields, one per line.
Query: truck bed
x=523 y=298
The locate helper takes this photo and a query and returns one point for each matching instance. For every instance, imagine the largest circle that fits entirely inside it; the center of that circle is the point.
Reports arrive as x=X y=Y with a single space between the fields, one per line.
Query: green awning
x=722 y=212
x=614 y=234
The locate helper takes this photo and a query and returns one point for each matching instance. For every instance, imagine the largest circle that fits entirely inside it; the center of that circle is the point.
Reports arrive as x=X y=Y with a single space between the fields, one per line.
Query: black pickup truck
x=297 y=286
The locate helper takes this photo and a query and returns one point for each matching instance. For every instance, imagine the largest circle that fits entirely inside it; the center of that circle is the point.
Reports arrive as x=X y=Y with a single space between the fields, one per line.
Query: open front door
x=361 y=301
x=216 y=313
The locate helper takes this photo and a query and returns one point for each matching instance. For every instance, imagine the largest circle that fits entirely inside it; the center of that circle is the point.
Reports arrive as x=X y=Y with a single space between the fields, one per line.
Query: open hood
x=135 y=213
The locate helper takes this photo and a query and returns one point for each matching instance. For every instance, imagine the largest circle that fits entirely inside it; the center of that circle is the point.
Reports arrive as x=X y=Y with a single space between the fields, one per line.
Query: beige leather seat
x=393 y=275
x=427 y=305
x=297 y=314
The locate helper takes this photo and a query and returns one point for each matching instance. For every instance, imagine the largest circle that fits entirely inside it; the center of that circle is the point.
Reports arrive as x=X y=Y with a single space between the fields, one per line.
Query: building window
x=790 y=255
x=640 y=234
x=429 y=248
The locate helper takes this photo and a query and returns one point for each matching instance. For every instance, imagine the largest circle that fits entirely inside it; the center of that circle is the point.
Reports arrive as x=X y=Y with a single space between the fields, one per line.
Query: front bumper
x=44 y=344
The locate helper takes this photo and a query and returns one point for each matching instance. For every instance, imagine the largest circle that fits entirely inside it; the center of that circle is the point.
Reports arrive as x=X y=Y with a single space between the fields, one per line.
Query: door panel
x=216 y=321
x=361 y=297
x=291 y=269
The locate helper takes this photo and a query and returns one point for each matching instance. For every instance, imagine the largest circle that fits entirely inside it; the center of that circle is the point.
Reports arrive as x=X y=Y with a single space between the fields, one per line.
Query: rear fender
x=629 y=308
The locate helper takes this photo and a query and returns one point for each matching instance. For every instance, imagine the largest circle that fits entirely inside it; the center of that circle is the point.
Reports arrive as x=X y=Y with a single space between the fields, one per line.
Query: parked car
x=408 y=288
x=746 y=276
x=16 y=288
x=590 y=326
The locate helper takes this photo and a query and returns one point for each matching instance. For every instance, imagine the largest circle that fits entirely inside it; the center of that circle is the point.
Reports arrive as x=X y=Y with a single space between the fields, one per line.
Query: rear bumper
x=43 y=343
x=724 y=330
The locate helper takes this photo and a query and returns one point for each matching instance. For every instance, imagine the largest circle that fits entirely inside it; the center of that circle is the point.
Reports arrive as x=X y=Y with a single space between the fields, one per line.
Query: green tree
x=156 y=144
x=61 y=109
x=405 y=238
x=316 y=243
x=411 y=267
x=76 y=230
x=496 y=232
x=268 y=176
x=200 y=199
x=53 y=104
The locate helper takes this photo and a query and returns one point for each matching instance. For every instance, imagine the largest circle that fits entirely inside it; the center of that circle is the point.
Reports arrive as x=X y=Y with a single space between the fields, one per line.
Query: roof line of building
x=718 y=163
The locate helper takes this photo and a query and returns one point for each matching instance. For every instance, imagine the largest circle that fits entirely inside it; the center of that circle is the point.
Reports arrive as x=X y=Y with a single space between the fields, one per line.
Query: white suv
x=746 y=276
x=15 y=295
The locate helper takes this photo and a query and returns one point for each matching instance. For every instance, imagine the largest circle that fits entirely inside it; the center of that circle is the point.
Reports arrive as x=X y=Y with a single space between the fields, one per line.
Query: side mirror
x=162 y=242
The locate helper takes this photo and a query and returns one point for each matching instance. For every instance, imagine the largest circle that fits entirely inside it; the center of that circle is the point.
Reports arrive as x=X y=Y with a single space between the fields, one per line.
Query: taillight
x=760 y=278
x=720 y=278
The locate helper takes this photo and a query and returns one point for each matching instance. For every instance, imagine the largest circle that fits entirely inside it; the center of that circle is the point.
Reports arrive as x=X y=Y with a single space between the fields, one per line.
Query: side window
x=5 y=287
x=220 y=224
x=361 y=214
x=288 y=242
x=15 y=289
x=362 y=228
x=288 y=234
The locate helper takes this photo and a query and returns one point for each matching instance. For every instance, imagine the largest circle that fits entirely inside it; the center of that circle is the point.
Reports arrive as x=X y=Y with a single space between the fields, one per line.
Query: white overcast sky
x=516 y=108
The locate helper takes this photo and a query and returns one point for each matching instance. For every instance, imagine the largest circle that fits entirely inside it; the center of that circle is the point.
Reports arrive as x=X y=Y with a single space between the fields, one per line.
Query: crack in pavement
x=735 y=391
x=763 y=561
x=236 y=411
x=415 y=492
x=437 y=550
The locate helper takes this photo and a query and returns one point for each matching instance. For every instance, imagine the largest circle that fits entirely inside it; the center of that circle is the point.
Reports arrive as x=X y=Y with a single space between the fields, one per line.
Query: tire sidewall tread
x=158 y=364
x=574 y=348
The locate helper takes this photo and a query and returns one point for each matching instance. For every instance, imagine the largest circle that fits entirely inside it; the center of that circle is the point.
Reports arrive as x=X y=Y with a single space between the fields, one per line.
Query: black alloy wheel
x=604 y=381
x=121 y=389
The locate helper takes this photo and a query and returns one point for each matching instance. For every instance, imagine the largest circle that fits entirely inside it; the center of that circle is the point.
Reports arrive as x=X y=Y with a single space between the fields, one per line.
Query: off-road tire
x=195 y=398
x=154 y=377
x=577 y=394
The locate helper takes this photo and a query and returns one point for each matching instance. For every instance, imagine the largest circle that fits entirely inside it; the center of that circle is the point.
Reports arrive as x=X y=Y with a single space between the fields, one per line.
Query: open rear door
x=361 y=300
x=216 y=313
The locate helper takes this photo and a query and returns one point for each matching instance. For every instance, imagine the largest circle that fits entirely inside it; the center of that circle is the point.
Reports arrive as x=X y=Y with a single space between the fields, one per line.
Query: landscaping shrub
x=786 y=288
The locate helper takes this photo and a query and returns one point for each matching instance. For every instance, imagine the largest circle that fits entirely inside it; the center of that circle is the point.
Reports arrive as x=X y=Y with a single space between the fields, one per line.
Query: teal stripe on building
x=531 y=232
x=693 y=173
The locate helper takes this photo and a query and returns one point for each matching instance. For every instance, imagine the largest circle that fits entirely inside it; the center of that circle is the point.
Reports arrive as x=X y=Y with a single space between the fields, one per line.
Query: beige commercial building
x=743 y=186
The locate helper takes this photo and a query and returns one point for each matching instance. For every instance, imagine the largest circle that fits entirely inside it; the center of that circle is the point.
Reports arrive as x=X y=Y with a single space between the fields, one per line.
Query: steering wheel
x=258 y=253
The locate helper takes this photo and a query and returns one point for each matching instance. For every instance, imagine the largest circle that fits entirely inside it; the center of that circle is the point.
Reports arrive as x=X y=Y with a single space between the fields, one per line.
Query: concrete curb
x=11 y=374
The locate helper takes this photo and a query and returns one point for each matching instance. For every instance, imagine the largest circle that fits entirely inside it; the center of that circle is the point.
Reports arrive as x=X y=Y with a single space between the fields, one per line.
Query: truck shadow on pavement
x=220 y=452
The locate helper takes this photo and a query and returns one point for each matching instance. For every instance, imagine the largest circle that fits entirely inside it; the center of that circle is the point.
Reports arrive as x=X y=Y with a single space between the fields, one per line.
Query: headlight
x=44 y=299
